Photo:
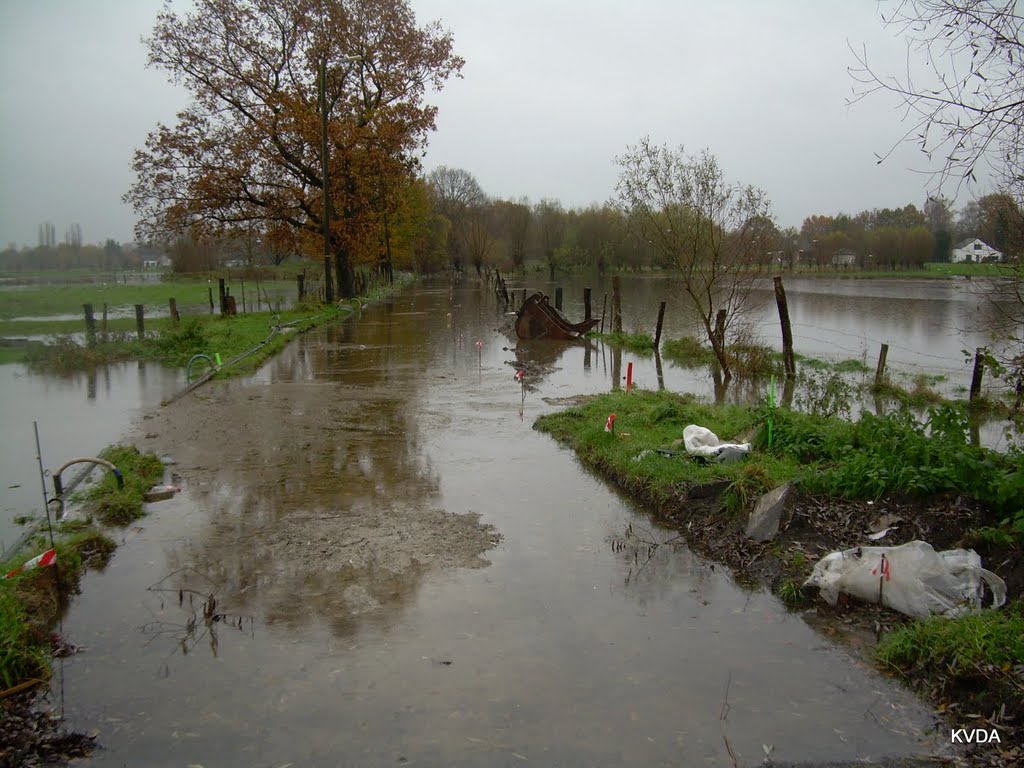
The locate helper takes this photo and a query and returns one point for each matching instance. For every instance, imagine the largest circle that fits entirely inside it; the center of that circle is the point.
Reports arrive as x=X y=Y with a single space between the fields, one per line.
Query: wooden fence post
x=880 y=370
x=210 y=289
x=604 y=307
x=616 y=305
x=103 y=323
x=979 y=371
x=657 y=330
x=558 y=298
x=140 y=321
x=90 y=325
x=586 y=304
x=788 y=361
x=173 y=307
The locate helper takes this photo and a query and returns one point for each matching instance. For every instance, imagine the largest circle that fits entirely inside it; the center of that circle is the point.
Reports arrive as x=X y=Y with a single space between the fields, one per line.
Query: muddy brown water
x=404 y=572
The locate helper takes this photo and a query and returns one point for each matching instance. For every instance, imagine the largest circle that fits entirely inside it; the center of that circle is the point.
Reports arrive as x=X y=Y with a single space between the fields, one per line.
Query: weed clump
x=114 y=505
x=990 y=638
x=22 y=656
x=177 y=343
x=688 y=352
x=640 y=343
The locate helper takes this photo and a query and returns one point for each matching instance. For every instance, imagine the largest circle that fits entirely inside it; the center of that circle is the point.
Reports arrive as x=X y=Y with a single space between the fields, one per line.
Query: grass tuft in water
x=119 y=506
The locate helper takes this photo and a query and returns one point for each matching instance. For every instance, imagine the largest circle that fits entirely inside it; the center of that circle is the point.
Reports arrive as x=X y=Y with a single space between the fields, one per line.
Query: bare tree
x=456 y=191
x=717 y=234
x=967 y=106
x=479 y=233
x=968 y=110
x=515 y=217
x=550 y=218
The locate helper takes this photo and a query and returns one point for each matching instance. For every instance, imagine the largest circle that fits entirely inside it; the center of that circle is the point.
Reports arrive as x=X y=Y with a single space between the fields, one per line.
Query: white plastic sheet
x=701 y=441
x=912 y=578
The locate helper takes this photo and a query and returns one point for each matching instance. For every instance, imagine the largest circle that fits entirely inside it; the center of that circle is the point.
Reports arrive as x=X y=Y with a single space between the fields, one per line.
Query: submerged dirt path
x=315 y=490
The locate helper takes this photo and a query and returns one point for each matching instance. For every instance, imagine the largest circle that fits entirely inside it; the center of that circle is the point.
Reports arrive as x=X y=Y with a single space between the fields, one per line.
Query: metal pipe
x=188 y=367
x=58 y=484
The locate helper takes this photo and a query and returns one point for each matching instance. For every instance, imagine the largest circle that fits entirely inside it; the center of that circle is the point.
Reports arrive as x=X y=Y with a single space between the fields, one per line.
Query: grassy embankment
x=167 y=341
x=836 y=379
x=829 y=458
x=31 y=601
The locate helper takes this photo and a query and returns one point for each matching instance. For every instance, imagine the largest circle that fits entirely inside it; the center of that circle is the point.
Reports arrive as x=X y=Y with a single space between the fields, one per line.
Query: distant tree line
x=66 y=256
x=905 y=238
x=448 y=222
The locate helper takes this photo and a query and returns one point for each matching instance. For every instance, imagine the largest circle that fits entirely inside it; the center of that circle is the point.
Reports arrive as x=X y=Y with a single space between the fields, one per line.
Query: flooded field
x=375 y=560
x=77 y=415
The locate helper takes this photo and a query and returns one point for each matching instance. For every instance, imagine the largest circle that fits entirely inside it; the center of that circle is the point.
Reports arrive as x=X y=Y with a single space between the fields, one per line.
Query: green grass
x=30 y=602
x=841 y=366
x=962 y=646
x=687 y=352
x=878 y=455
x=13 y=355
x=933 y=270
x=865 y=459
x=936 y=269
x=920 y=395
x=174 y=343
x=119 y=506
x=192 y=297
x=753 y=361
x=22 y=656
x=647 y=422
x=635 y=342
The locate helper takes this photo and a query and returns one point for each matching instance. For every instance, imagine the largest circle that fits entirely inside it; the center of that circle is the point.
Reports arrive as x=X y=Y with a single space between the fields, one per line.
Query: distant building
x=153 y=257
x=844 y=257
x=974 y=250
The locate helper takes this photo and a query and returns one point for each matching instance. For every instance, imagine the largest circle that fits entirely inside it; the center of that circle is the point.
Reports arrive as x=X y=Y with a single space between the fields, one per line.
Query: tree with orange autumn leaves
x=247 y=151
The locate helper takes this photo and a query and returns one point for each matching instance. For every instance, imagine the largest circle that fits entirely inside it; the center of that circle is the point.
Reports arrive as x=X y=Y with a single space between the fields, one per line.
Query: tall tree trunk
x=346 y=278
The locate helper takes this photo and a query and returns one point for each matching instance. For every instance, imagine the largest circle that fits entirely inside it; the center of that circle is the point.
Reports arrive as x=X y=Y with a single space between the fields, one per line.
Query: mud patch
x=32 y=734
x=320 y=502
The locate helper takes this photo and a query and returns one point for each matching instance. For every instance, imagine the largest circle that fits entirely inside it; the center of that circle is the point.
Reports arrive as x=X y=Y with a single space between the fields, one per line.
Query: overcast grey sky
x=552 y=91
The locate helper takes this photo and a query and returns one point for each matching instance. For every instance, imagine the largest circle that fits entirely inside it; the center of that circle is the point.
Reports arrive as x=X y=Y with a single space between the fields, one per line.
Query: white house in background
x=974 y=250
x=156 y=262
x=844 y=257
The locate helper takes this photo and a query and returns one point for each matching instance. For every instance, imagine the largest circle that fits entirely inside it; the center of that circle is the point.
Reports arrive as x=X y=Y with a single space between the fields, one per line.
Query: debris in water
x=160 y=493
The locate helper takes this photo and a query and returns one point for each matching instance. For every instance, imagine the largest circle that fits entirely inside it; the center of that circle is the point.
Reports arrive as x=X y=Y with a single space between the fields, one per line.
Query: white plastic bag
x=912 y=578
x=701 y=441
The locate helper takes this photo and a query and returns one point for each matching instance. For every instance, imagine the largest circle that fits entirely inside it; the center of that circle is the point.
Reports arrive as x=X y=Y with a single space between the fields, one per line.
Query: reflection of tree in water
x=538 y=358
x=655 y=562
x=325 y=503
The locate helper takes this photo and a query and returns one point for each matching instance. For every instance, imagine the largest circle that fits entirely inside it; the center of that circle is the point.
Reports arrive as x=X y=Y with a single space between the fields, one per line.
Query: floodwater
x=553 y=650
x=78 y=414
